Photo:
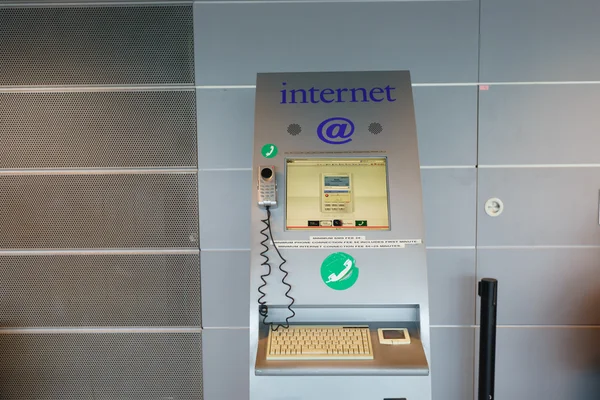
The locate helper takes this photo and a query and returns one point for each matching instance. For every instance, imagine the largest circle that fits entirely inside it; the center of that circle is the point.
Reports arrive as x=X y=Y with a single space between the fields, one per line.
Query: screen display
x=393 y=335
x=337 y=193
x=336 y=181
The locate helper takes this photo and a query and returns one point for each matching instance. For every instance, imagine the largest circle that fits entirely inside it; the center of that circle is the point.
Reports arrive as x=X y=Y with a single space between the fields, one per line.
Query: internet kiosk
x=339 y=302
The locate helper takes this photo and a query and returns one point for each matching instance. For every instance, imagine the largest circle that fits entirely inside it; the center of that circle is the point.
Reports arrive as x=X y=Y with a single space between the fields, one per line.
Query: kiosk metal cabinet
x=339 y=301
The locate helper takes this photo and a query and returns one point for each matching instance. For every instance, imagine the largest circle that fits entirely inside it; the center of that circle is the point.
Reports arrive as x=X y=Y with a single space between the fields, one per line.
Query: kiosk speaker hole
x=294 y=129
x=375 y=128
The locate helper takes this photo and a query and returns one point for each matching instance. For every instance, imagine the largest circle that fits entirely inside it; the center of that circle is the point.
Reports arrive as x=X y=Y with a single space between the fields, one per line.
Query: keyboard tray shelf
x=399 y=360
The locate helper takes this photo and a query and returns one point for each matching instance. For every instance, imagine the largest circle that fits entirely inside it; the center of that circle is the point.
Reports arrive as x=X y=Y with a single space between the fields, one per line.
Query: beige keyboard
x=303 y=342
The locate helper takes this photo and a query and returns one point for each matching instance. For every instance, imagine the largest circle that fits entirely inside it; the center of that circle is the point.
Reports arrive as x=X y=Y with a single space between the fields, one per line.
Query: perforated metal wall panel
x=97 y=45
x=102 y=129
x=101 y=366
x=100 y=290
x=99 y=211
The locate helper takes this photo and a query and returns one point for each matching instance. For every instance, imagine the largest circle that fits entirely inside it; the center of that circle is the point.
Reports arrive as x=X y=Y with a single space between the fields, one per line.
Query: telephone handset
x=267 y=186
x=342 y=274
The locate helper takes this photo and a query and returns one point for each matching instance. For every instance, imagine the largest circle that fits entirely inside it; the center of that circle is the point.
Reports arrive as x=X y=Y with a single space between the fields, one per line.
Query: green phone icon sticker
x=339 y=271
x=269 y=150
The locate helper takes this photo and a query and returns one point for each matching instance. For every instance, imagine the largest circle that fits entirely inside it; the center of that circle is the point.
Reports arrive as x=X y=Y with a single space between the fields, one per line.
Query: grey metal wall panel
x=449 y=197
x=539 y=124
x=539 y=40
x=95 y=130
x=452 y=363
x=238 y=40
x=100 y=290
x=452 y=286
x=550 y=286
x=553 y=363
x=97 y=45
x=226 y=358
x=542 y=206
x=446 y=125
x=99 y=211
x=225 y=288
x=101 y=366
x=224 y=207
x=226 y=122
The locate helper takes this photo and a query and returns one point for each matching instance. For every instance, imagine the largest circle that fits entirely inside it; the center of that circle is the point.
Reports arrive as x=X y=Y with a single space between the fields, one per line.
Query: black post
x=488 y=291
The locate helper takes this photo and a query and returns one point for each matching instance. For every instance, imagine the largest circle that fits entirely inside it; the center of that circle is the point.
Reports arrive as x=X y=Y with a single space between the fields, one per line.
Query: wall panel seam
x=524 y=326
x=104 y=251
x=190 y=87
x=100 y=171
x=525 y=166
x=79 y=4
x=535 y=247
x=88 y=330
x=432 y=84
x=214 y=328
x=96 y=88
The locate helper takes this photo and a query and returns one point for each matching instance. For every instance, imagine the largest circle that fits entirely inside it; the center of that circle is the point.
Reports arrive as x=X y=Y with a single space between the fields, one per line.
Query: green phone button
x=269 y=150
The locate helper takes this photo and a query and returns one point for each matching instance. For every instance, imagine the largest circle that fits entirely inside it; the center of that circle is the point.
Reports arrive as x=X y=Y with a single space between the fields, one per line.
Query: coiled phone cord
x=263 y=309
